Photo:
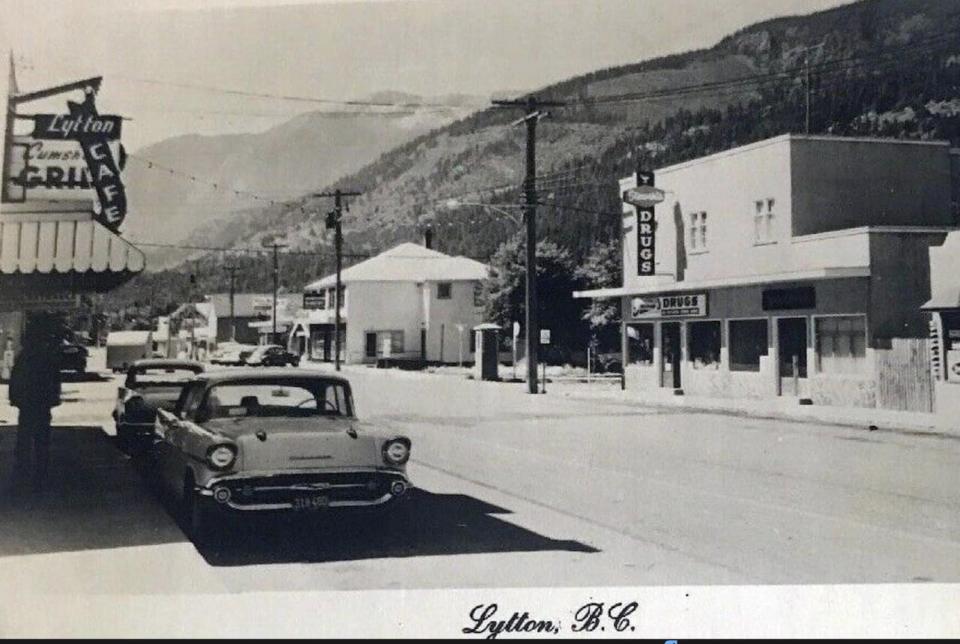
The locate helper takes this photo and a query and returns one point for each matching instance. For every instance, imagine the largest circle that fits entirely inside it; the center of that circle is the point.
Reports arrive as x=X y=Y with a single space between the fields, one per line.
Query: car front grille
x=361 y=487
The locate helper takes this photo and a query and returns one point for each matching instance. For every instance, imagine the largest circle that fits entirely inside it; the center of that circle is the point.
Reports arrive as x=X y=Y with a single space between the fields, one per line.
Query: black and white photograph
x=480 y=319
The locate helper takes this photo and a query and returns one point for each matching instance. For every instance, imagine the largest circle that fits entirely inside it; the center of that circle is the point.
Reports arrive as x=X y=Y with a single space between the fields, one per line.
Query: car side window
x=336 y=400
x=191 y=400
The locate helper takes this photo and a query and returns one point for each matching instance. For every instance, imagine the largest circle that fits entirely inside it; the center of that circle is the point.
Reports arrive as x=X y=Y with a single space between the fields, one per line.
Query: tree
x=505 y=293
x=602 y=268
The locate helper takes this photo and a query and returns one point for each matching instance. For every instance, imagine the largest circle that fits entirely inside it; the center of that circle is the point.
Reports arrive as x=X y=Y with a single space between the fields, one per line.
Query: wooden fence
x=904 y=376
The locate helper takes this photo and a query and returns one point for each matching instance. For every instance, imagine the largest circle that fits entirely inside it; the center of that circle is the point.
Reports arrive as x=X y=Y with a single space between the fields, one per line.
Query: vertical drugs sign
x=644 y=197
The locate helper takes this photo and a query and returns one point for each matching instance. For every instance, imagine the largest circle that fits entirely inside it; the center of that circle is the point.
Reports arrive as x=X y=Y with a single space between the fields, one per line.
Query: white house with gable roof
x=408 y=303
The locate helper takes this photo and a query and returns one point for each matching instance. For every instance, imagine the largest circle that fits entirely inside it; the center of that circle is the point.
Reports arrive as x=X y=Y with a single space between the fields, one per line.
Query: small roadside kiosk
x=488 y=352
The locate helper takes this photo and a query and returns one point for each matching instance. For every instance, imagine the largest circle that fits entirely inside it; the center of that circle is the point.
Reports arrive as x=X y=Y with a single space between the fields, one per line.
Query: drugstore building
x=794 y=267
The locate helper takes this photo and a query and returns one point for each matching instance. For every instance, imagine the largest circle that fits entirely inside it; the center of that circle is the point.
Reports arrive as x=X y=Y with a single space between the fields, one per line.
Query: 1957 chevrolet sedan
x=257 y=441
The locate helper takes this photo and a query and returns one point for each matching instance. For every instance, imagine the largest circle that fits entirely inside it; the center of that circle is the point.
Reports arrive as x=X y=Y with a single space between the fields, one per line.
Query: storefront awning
x=65 y=250
x=726 y=282
x=945 y=300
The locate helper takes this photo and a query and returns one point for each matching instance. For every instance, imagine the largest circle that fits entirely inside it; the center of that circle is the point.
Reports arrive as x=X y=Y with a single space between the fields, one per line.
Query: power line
x=235 y=249
x=409 y=105
x=836 y=65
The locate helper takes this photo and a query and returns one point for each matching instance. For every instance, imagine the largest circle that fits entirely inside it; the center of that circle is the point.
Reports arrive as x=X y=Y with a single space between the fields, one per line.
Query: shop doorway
x=792 y=343
x=670 y=342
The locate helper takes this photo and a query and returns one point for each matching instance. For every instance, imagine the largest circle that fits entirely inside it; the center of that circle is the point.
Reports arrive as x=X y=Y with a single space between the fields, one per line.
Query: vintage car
x=258 y=441
x=232 y=354
x=272 y=355
x=150 y=385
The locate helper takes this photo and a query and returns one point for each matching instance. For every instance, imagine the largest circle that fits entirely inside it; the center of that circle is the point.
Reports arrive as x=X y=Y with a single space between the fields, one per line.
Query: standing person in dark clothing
x=34 y=391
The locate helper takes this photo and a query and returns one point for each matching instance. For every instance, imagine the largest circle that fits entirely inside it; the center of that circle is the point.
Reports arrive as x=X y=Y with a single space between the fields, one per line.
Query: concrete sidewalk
x=778 y=409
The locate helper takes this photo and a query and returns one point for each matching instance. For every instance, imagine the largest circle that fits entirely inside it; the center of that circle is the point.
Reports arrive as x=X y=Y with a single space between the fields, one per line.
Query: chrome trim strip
x=242 y=476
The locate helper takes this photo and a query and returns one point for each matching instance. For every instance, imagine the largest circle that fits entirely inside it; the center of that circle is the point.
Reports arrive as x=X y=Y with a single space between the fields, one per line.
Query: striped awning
x=63 y=243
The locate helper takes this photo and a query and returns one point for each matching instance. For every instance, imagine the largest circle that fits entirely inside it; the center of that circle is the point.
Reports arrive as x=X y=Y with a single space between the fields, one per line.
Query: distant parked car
x=150 y=385
x=233 y=355
x=272 y=355
x=73 y=356
x=246 y=442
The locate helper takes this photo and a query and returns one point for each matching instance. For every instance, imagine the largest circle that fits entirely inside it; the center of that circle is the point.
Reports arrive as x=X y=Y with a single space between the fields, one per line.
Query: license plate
x=310 y=502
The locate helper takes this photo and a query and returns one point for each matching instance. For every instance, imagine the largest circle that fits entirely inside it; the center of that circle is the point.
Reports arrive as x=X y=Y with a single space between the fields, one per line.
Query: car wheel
x=196 y=518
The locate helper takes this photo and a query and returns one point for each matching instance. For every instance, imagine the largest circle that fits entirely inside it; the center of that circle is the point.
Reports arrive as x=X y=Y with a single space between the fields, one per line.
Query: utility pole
x=334 y=220
x=276 y=284
x=233 y=283
x=806 y=84
x=532 y=115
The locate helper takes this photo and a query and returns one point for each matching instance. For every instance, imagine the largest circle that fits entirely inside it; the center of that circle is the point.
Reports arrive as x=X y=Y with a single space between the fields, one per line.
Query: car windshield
x=155 y=376
x=278 y=399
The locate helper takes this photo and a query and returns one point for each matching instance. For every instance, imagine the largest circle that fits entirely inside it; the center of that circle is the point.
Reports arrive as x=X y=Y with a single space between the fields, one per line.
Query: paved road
x=520 y=490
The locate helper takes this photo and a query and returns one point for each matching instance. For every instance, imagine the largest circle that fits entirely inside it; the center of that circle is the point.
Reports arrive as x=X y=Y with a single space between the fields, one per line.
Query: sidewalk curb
x=900 y=426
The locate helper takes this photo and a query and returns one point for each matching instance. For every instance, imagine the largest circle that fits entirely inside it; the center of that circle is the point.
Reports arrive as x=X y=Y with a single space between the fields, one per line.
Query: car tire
x=196 y=518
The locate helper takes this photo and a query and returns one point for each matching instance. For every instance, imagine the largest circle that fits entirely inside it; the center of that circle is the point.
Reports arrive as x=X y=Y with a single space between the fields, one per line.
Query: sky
x=339 y=49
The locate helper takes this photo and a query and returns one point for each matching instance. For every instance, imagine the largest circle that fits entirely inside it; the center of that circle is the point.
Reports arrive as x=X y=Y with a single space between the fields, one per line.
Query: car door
x=171 y=430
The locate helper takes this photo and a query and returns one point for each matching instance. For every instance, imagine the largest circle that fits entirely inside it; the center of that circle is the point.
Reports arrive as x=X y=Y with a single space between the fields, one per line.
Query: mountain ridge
x=874 y=57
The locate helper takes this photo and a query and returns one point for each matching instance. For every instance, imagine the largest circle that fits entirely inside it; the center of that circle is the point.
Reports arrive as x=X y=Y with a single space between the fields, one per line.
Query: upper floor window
x=698 y=231
x=763 y=229
x=444 y=290
x=331 y=298
x=478 y=294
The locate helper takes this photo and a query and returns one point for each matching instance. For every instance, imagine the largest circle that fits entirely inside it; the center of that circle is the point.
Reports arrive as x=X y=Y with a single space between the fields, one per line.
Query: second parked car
x=150 y=385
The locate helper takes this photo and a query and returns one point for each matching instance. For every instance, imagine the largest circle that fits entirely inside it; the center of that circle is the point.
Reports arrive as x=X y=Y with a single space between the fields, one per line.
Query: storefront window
x=640 y=344
x=704 y=344
x=748 y=341
x=841 y=344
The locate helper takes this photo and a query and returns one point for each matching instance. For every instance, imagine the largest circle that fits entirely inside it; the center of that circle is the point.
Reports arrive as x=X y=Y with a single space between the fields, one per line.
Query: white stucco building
x=408 y=303
x=792 y=267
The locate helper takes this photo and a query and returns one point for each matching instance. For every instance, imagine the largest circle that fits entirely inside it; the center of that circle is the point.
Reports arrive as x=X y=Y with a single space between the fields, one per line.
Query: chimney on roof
x=428 y=238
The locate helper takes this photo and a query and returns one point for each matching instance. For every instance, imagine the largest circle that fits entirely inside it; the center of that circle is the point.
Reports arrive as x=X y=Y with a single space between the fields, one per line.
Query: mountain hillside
x=877 y=68
x=307 y=152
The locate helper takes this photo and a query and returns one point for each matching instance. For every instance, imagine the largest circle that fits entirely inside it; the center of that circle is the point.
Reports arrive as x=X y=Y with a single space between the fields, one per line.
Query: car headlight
x=396 y=451
x=221 y=457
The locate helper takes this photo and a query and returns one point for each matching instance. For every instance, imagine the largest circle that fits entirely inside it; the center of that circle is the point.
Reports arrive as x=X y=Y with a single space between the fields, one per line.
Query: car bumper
x=260 y=492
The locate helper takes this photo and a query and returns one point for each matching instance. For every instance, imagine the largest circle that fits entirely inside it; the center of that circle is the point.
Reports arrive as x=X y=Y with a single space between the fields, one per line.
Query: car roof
x=167 y=363
x=271 y=373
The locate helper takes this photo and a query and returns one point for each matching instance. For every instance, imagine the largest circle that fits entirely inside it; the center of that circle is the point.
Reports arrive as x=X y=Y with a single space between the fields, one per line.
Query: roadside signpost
x=516 y=336
x=545 y=341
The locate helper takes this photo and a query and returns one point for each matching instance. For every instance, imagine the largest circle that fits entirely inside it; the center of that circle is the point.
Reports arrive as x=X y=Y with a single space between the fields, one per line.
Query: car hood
x=280 y=444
